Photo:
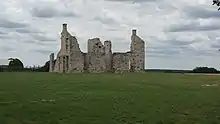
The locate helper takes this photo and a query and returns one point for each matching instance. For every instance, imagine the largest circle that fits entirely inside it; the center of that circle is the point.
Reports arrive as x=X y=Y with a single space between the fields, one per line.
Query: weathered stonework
x=70 y=59
x=137 y=55
x=51 y=68
x=96 y=56
x=108 y=56
x=120 y=62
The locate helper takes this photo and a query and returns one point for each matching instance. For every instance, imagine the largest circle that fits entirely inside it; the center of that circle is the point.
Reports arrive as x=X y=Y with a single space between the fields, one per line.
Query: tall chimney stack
x=65 y=26
x=134 y=32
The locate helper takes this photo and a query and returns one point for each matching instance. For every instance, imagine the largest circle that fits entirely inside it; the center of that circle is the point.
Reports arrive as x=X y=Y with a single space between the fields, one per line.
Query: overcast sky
x=179 y=34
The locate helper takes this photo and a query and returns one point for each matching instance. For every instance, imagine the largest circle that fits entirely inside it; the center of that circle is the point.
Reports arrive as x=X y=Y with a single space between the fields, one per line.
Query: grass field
x=147 y=98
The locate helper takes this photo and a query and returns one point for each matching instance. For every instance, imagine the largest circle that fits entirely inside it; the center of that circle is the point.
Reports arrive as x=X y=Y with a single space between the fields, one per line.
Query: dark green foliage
x=205 y=70
x=15 y=64
x=44 y=68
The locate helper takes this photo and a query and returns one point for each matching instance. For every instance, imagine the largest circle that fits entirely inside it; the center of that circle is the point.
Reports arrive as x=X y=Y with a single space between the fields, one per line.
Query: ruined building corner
x=137 y=53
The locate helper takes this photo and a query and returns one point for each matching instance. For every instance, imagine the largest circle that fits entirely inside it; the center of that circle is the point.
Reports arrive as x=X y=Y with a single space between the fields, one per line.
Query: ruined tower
x=62 y=61
x=70 y=58
x=137 y=53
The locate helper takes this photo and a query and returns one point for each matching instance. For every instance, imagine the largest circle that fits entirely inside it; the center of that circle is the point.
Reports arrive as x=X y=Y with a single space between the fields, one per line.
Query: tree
x=205 y=70
x=44 y=68
x=15 y=64
x=217 y=2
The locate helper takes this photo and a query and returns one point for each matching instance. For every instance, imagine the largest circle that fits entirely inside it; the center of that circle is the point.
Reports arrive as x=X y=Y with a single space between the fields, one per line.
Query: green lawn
x=132 y=98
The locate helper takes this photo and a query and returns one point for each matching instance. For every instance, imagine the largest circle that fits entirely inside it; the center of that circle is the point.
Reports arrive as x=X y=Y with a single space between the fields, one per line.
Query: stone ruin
x=99 y=58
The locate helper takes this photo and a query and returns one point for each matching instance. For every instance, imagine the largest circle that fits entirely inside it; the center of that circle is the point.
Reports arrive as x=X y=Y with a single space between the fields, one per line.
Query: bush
x=205 y=70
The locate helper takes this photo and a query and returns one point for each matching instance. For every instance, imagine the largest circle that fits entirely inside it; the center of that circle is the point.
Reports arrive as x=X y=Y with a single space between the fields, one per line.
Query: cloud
x=3 y=61
x=43 y=51
x=6 y=48
x=195 y=26
x=44 y=37
x=202 y=12
x=47 y=11
x=27 y=30
x=4 y=23
x=133 y=1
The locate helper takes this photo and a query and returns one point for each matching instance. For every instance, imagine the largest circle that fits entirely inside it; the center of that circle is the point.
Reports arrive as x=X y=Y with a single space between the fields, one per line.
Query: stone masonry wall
x=108 y=55
x=56 y=65
x=96 y=56
x=120 y=62
x=70 y=59
x=76 y=57
x=51 y=68
x=137 y=57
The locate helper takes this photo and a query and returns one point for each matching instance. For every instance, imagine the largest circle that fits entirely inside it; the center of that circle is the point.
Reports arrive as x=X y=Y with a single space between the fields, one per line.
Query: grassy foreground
x=148 y=98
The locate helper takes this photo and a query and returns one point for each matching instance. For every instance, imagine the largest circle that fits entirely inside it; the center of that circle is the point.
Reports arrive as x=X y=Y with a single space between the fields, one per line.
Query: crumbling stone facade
x=120 y=62
x=51 y=68
x=137 y=53
x=99 y=58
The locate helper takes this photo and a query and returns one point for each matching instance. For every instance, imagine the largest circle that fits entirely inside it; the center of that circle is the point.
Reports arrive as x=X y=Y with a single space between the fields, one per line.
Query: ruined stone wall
x=76 y=56
x=96 y=56
x=99 y=58
x=108 y=55
x=137 y=49
x=66 y=40
x=120 y=62
x=51 y=67
x=70 y=58
x=62 y=63
x=56 y=65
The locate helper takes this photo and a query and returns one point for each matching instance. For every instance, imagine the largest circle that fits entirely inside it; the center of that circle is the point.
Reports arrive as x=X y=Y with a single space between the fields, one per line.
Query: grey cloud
x=112 y=29
x=105 y=20
x=177 y=42
x=43 y=37
x=49 y=12
x=1 y=32
x=11 y=24
x=169 y=42
x=6 y=49
x=3 y=61
x=215 y=44
x=174 y=52
x=134 y=1
x=204 y=53
x=33 y=42
x=27 y=30
x=169 y=50
x=201 y=12
x=162 y=53
x=4 y=37
x=43 y=51
x=192 y=28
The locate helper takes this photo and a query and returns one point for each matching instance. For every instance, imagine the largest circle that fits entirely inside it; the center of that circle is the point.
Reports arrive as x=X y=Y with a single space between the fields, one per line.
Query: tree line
x=16 y=65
